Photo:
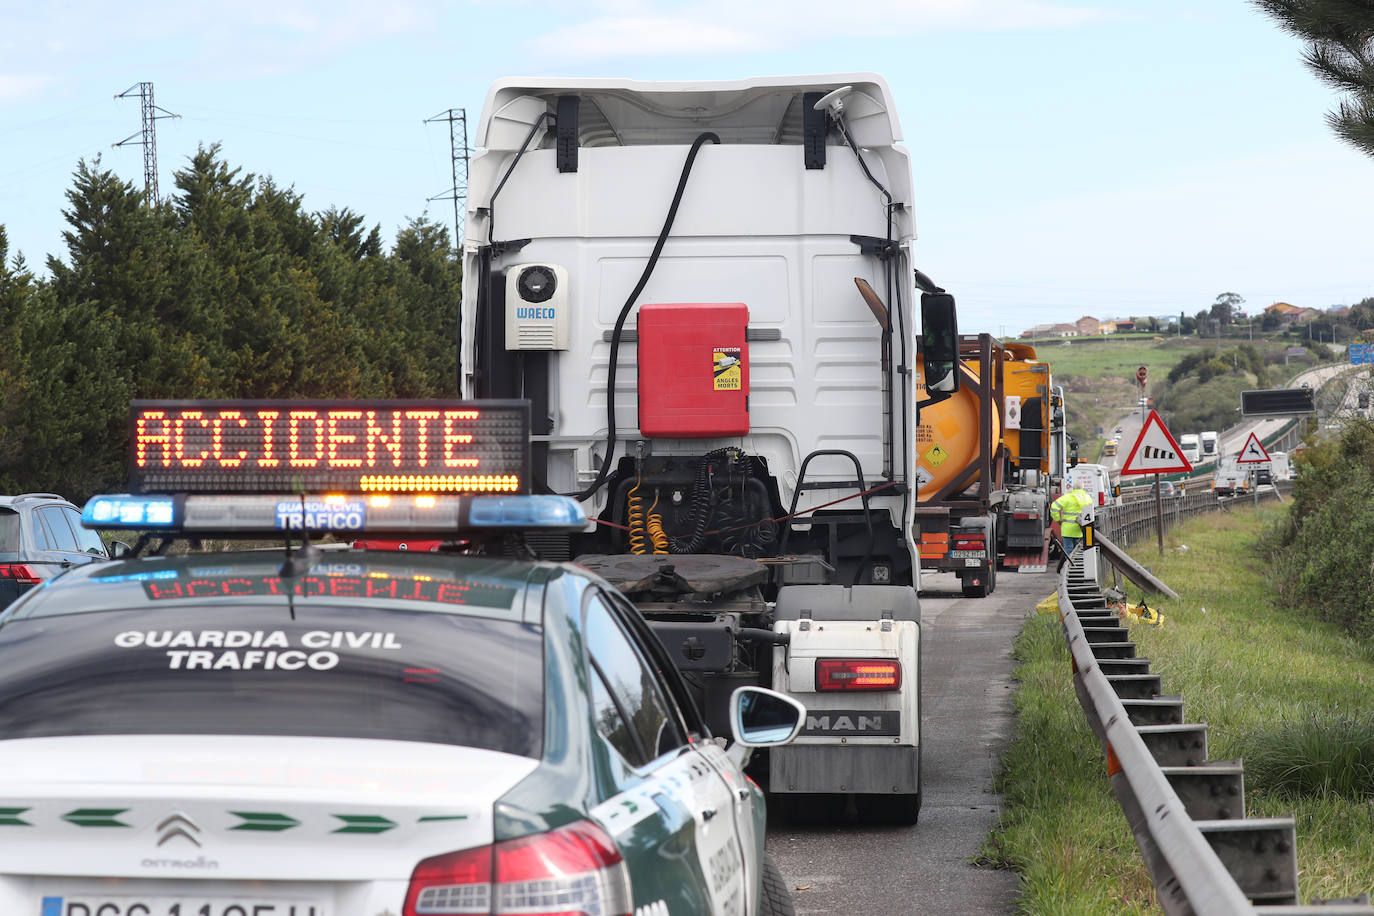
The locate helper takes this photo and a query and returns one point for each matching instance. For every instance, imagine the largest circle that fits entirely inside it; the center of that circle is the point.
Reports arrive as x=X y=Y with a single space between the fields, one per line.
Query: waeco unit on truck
x=705 y=290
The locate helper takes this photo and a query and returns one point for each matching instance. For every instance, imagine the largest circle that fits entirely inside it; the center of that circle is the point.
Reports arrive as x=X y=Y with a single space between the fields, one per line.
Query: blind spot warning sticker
x=726 y=370
x=935 y=456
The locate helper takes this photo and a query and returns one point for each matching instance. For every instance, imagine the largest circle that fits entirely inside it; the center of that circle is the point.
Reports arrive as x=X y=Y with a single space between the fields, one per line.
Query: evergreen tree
x=1340 y=50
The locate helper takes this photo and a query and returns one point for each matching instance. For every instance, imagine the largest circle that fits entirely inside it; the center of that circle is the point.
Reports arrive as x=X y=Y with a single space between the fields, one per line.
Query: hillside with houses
x=1338 y=322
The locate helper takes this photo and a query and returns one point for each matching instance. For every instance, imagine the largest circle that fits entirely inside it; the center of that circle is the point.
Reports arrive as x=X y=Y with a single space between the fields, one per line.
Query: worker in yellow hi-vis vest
x=1067 y=510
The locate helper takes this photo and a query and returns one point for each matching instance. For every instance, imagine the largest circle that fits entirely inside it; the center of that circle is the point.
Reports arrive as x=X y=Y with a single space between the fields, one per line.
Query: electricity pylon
x=458 y=161
x=148 y=136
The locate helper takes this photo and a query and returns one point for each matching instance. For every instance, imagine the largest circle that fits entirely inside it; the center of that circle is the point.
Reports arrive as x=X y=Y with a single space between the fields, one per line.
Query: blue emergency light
x=543 y=511
x=125 y=511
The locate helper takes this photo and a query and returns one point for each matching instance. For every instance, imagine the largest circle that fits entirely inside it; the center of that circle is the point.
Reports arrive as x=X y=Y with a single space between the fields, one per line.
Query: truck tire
x=888 y=810
x=776 y=898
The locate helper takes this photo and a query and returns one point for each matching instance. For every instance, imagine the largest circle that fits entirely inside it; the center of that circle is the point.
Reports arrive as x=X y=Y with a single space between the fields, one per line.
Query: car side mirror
x=940 y=342
x=760 y=717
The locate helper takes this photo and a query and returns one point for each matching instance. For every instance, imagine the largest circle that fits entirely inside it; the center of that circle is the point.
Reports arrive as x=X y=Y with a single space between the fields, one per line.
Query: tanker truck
x=985 y=460
x=706 y=291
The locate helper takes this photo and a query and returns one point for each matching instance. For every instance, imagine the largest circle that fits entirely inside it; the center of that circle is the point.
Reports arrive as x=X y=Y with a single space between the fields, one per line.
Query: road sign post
x=1156 y=452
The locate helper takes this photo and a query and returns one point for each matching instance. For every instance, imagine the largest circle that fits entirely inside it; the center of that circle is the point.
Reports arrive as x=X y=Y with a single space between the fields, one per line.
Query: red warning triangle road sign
x=1155 y=451
x=1253 y=452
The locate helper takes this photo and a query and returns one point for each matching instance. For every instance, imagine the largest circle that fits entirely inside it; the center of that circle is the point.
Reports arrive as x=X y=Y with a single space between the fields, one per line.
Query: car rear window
x=256 y=669
x=9 y=534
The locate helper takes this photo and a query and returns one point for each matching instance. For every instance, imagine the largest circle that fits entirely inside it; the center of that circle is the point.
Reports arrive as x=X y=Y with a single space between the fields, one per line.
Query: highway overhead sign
x=1267 y=402
x=1155 y=451
x=1253 y=452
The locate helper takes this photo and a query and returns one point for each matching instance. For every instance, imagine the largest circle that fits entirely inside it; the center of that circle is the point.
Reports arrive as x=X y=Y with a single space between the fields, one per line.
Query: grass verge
x=1292 y=695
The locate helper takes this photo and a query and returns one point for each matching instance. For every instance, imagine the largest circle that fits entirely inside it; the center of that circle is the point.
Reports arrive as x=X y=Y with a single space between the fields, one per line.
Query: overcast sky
x=1113 y=158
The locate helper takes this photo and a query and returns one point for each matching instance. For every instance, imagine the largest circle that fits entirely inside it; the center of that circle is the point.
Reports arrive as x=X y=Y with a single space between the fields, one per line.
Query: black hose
x=606 y=462
x=491 y=205
x=901 y=317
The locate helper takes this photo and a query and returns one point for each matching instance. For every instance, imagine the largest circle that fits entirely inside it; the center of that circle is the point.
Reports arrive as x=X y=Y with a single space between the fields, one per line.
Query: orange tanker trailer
x=983 y=465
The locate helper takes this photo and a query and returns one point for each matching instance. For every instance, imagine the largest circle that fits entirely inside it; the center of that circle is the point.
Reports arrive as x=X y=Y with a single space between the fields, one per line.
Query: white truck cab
x=705 y=289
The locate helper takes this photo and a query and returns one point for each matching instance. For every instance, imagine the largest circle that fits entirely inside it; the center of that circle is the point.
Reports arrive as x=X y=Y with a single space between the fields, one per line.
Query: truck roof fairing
x=622 y=112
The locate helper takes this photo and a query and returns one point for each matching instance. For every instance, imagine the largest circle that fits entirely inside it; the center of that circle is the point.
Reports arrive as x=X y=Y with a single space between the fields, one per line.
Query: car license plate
x=178 y=906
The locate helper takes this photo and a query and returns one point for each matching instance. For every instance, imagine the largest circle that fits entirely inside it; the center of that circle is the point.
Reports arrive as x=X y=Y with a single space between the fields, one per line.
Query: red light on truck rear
x=858 y=674
x=969 y=542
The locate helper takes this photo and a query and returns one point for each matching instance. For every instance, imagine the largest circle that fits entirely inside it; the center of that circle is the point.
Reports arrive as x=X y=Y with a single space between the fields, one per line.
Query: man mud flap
x=853 y=661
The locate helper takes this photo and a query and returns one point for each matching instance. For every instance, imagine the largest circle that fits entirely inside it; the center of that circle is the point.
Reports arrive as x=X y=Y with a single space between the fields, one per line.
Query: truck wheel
x=888 y=810
x=776 y=899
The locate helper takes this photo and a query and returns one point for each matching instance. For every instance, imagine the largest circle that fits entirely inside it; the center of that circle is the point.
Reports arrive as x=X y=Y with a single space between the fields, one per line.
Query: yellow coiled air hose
x=655 y=528
x=638 y=542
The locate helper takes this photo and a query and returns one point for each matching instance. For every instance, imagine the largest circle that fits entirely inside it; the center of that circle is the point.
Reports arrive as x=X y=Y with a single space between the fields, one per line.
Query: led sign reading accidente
x=316 y=445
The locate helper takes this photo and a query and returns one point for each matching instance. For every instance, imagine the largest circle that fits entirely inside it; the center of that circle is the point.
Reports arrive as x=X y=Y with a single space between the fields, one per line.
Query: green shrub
x=1324 y=552
x=1315 y=756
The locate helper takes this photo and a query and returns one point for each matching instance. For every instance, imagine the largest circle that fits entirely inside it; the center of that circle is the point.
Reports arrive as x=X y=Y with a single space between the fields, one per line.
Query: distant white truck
x=1209 y=444
x=1192 y=447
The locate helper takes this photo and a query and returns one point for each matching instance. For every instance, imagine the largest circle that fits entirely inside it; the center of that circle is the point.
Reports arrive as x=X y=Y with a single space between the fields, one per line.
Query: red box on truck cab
x=693 y=370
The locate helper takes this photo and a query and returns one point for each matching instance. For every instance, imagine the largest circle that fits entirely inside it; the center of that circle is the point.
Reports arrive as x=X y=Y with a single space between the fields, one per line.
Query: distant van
x=1094 y=479
x=1229 y=479
x=1279 y=466
x=1192 y=447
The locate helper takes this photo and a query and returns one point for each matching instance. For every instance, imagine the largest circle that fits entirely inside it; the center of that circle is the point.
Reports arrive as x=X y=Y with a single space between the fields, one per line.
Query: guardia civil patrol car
x=299 y=731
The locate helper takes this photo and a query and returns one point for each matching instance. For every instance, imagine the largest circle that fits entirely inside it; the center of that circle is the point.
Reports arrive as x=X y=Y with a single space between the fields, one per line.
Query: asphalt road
x=967 y=720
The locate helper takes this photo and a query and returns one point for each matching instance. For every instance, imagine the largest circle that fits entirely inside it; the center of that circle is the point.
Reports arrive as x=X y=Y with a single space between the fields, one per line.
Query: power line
x=148 y=136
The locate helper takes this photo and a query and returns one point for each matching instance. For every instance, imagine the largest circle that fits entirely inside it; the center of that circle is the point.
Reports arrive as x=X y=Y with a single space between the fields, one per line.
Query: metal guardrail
x=1134 y=521
x=1205 y=857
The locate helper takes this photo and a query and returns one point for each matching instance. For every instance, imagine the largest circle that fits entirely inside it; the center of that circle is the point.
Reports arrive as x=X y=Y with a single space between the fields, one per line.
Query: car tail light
x=969 y=542
x=572 y=871
x=858 y=674
x=20 y=572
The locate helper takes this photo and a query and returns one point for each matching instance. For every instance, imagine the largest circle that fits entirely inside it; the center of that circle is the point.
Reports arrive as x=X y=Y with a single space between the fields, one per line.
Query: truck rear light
x=1102 y=498
x=20 y=572
x=572 y=871
x=969 y=542
x=1025 y=515
x=858 y=674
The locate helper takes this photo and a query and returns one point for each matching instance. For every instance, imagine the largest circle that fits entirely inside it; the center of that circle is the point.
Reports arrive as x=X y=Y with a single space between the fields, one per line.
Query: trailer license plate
x=973 y=562
x=965 y=554
x=178 y=906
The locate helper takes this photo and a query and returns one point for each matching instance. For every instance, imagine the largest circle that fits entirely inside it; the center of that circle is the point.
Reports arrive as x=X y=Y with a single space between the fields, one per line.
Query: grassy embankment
x=1292 y=695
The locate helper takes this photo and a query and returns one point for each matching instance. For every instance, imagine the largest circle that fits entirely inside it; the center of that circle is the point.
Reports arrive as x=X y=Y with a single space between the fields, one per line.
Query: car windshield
x=255 y=667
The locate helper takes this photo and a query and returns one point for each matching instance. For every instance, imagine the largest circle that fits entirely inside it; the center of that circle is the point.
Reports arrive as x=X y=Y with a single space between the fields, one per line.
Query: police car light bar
x=244 y=515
